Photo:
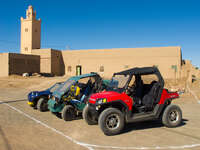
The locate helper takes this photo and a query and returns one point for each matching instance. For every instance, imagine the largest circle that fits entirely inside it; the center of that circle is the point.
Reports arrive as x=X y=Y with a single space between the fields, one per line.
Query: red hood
x=105 y=94
x=110 y=96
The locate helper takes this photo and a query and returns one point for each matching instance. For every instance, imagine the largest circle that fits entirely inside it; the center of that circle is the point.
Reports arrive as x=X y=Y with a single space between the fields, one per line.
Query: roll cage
x=137 y=72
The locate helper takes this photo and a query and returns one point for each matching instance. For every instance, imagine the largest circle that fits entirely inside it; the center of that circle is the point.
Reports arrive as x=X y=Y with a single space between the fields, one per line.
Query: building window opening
x=126 y=66
x=26 y=48
x=69 y=68
x=101 y=69
x=26 y=30
x=78 y=70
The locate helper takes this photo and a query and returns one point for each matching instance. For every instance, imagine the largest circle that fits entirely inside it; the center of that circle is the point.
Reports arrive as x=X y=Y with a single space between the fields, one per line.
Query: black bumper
x=93 y=110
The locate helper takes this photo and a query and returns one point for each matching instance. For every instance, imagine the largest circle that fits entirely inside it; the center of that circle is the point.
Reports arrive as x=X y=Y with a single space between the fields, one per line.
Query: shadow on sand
x=147 y=125
x=13 y=101
x=60 y=116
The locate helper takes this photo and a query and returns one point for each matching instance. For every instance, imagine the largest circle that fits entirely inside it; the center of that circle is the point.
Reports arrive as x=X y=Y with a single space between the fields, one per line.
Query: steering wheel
x=130 y=89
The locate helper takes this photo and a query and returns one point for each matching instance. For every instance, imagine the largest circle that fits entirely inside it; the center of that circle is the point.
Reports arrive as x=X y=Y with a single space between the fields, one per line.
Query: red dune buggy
x=132 y=100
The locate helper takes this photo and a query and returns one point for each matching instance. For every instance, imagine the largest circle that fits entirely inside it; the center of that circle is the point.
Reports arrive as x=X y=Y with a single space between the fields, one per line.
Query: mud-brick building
x=104 y=61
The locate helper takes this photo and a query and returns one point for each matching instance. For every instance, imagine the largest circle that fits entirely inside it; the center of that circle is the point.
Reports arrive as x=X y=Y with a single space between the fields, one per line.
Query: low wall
x=21 y=63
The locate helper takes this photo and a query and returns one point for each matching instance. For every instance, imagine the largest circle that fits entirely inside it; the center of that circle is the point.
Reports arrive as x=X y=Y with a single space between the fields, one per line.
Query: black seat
x=136 y=92
x=150 y=98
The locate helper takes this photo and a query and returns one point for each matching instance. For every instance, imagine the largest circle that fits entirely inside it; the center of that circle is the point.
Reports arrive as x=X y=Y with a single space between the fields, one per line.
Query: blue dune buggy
x=71 y=97
x=38 y=99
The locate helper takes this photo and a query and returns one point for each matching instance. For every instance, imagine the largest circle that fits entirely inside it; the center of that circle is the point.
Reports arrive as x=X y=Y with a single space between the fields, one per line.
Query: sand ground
x=23 y=128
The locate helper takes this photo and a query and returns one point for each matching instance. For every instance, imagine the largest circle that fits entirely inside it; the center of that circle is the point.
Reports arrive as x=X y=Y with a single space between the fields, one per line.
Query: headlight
x=55 y=98
x=50 y=96
x=31 y=94
x=101 y=100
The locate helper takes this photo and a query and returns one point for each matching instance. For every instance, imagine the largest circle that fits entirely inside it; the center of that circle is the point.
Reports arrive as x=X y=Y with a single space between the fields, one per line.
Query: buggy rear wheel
x=42 y=104
x=68 y=113
x=172 y=116
x=111 y=121
x=87 y=116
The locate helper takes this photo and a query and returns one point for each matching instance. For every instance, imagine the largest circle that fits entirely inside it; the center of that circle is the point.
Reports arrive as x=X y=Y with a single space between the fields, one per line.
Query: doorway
x=78 y=70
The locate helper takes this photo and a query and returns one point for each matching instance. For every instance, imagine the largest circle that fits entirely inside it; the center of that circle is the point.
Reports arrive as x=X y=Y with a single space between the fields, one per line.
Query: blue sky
x=99 y=24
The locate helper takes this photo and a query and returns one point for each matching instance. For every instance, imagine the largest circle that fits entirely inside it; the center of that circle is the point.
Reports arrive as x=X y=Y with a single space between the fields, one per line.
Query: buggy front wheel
x=87 y=116
x=111 y=121
x=42 y=104
x=68 y=113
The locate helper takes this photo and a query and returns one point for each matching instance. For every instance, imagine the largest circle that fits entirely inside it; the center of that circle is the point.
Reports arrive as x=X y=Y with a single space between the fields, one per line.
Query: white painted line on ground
x=45 y=125
x=92 y=146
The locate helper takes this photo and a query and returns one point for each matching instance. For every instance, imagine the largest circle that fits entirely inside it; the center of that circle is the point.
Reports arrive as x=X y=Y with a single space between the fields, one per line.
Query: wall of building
x=57 y=63
x=189 y=72
x=20 y=63
x=51 y=61
x=45 y=59
x=4 y=64
x=167 y=59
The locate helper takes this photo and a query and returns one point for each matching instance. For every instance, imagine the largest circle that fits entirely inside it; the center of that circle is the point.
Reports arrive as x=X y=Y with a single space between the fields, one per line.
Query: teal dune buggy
x=71 y=97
